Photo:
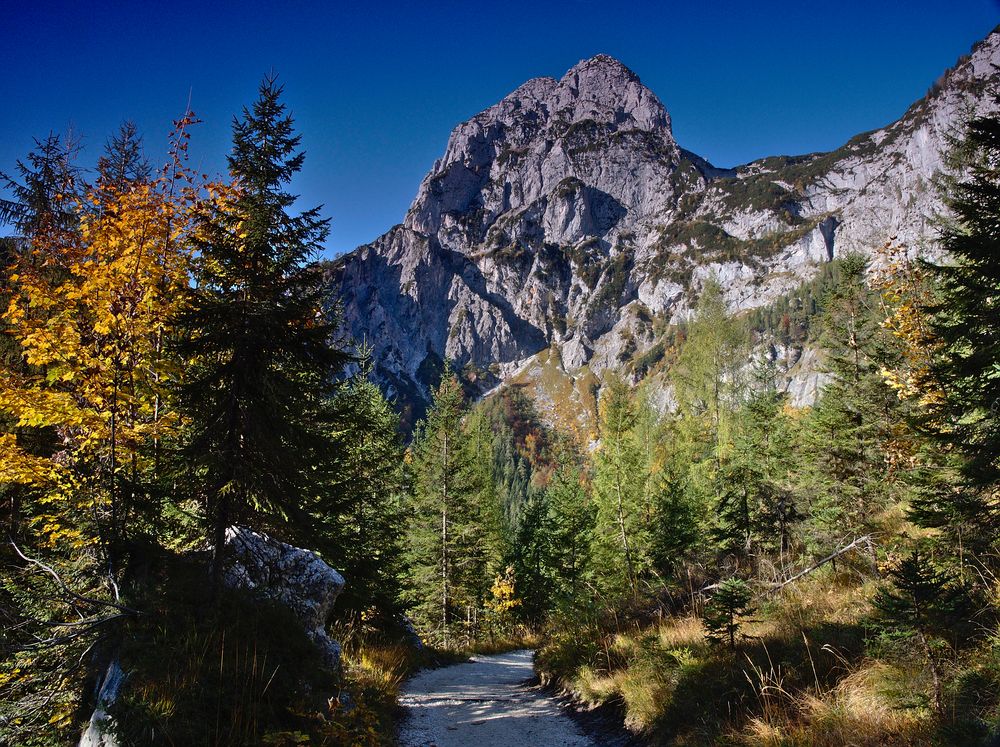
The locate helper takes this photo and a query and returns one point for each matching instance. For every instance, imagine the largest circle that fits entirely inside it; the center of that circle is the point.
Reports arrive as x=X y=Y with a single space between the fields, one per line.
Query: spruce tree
x=368 y=484
x=571 y=525
x=848 y=428
x=928 y=603
x=123 y=161
x=440 y=530
x=45 y=190
x=721 y=618
x=964 y=320
x=259 y=338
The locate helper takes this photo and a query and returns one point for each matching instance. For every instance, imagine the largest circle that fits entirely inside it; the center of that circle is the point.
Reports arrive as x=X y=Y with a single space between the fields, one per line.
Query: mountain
x=564 y=230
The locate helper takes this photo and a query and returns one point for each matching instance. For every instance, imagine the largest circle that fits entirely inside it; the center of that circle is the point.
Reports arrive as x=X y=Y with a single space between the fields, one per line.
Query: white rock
x=298 y=579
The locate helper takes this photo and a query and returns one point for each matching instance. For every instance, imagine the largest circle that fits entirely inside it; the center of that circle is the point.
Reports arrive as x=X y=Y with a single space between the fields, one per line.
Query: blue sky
x=377 y=87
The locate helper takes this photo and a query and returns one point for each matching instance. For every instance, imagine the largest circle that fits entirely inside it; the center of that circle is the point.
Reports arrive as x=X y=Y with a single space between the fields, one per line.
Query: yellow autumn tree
x=906 y=292
x=90 y=314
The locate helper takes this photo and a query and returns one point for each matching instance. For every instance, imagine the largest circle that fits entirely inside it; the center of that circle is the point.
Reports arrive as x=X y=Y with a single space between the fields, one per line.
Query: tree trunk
x=219 y=550
x=936 y=699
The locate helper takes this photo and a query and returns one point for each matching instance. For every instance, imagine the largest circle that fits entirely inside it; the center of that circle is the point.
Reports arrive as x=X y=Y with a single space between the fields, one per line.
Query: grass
x=804 y=673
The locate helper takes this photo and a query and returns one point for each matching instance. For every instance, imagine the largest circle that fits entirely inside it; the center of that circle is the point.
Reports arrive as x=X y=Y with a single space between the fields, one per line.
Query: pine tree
x=260 y=339
x=709 y=388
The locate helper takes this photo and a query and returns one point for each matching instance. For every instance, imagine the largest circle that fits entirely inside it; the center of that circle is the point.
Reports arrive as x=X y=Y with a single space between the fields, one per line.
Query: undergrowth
x=811 y=668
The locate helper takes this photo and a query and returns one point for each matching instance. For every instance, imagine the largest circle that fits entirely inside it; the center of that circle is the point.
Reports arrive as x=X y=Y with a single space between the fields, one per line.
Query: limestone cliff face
x=567 y=219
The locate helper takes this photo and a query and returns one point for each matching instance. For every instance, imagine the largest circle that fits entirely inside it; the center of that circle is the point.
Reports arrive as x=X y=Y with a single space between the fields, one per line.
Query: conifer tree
x=756 y=509
x=439 y=518
x=45 y=190
x=929 y=604
x=571 y=521
x=709 y=388
x=728 y=604
x=619 y=491
x=367 y=544
x=259 y=337
x=964 y=319
x=123 y=162
x=849 y=426
x=706 y=376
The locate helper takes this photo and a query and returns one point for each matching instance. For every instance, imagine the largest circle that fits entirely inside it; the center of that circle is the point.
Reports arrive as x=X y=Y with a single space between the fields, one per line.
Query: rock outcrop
x=567 y=219
x=295 y=578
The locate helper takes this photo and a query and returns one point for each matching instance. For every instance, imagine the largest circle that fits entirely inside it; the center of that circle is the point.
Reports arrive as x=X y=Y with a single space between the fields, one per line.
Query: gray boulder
x=291 y=576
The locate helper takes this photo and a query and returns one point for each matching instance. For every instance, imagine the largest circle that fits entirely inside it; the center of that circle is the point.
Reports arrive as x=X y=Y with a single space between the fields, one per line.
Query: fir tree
x=259 y=338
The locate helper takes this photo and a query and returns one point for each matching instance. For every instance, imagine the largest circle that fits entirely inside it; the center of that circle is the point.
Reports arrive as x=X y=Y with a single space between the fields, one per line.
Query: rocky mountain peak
x=613 y=92
x=564 y=233
x=530 y=143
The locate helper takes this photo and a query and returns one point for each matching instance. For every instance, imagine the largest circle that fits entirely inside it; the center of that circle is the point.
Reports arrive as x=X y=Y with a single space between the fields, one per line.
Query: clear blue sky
x=377 y=87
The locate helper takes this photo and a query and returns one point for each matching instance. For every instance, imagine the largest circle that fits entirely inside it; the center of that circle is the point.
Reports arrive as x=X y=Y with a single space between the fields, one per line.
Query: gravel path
x=484 y=703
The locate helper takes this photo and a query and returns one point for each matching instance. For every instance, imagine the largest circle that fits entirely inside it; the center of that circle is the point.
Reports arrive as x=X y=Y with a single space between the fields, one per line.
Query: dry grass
x=679 y=632
x=857 y=711
x=809 y=671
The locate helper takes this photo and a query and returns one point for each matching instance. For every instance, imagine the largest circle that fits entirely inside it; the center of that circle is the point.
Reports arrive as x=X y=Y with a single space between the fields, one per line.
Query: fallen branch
x=865 y=539
x=65 y=587
x=862 y=540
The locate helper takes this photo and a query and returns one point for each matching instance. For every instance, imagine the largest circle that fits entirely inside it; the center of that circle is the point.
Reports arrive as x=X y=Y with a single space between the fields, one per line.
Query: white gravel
x=484 y=703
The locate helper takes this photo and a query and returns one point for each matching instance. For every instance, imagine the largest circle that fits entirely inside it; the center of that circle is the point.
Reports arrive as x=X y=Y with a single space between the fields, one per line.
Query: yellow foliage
x=90 y=311
x=502 y=594
x=905 y=291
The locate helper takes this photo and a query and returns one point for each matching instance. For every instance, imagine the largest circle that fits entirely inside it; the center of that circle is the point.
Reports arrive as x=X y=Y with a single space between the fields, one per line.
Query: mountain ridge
x=566 y=218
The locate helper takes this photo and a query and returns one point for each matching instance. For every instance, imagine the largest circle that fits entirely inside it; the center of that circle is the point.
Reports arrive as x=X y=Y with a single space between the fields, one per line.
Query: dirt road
x=484 y=703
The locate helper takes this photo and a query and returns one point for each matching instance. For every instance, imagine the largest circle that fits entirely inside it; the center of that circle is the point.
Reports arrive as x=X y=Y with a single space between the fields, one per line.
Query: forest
x=734 y=570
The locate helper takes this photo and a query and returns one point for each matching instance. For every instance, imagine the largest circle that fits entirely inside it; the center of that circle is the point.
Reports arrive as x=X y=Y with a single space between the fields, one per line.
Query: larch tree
x=620 y=535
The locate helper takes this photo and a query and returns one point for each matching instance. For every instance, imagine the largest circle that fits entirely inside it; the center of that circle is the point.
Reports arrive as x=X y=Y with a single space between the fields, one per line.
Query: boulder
x=296 y=578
